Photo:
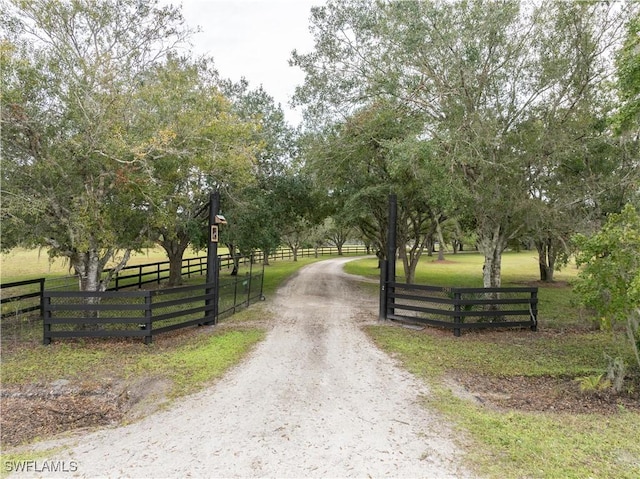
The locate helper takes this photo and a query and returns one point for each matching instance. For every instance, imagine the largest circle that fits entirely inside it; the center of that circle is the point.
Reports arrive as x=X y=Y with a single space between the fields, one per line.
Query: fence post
x=457 y=318
x=148 y=318
x=249 y=285
x=45 y=302
x=382 y=315
x=235 y=293
x=391 y=247
x=262 y=283
x=533 y=306
x=41 y=281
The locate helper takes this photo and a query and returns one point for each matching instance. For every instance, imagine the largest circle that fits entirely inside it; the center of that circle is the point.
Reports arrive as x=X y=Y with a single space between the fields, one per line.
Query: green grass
x=191 y=366
x=542 y=445
x=278 y=271
x=523 y=444
x=519 y=444
x=186 y=364
x=509 y=353
x=465 y=269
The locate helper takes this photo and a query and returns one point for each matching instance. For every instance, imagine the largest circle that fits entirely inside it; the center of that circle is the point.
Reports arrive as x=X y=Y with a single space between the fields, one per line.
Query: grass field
x=21 y=264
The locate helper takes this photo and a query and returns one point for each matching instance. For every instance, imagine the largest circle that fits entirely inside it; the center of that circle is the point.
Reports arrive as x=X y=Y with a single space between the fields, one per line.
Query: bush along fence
x=73 y=314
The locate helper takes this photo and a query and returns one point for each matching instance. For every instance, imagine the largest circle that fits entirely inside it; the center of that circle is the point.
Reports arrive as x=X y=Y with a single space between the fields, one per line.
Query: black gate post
x=388 y=266
x=391 y=253
x=383 y=291
x=213 y=270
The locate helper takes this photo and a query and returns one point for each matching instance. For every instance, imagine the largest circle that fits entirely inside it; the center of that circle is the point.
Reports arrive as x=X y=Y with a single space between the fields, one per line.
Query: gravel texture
x=315 y=399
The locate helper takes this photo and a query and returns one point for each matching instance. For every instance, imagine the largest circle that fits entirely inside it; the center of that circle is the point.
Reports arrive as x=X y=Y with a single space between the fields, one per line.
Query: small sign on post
x=214 y=233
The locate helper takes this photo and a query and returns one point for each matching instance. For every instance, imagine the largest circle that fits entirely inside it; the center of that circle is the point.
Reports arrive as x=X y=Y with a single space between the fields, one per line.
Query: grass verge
x=521 y=444
x=182 y=362
x=514 y=443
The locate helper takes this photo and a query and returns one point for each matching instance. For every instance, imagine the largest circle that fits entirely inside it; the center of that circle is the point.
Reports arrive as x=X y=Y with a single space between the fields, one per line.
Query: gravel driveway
x=315 y=399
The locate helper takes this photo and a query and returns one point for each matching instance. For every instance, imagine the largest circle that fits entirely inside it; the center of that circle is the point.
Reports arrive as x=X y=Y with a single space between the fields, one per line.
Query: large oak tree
x=477 y=72
x=74 y=165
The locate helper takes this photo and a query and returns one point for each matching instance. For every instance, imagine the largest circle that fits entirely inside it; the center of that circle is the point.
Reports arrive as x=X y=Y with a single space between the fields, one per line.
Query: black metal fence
x=73 y=314
x=287 y=253
x=148 y=273
x=463 y=308
x=21 y=297
x=25 y=296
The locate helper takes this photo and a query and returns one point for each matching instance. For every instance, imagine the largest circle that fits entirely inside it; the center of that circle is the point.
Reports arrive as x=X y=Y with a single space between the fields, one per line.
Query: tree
x=194 y=143
x=475 y=71
x=256 y=223
x=72 y=162
x=628 y=66
x=376 y=152
x=610 y=279
x=277 y=139
x=295 y=207
x=337 y=231
x=253 y=223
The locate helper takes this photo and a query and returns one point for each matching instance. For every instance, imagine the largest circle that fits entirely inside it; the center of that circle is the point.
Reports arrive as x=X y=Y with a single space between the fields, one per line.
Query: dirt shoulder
x=315 y=399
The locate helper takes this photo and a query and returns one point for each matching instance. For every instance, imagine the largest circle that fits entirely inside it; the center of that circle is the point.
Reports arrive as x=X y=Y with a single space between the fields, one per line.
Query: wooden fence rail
x=21 y=297
x=463 y=308
x=73 y=314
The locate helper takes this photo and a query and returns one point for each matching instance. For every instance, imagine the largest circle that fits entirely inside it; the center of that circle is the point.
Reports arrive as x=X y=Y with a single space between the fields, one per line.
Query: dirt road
x=315 y=399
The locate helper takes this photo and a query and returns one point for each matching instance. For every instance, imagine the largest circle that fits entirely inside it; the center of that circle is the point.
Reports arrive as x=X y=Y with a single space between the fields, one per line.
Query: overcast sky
x=254 y=39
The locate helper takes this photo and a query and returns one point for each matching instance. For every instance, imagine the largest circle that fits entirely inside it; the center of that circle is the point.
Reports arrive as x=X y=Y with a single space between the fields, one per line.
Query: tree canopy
x=110 y=137
x=494 y=83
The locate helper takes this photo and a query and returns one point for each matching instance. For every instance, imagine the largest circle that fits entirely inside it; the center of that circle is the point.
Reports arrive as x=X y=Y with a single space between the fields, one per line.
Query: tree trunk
x=430 y=246
x=236 y=263
x=546 y=259
x=440 y=240
x=492 y=243
x=89 y=266
x=175 y=251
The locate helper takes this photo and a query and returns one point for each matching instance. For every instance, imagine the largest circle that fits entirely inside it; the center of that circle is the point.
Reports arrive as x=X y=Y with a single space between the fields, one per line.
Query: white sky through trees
x=254 y=39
